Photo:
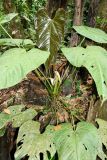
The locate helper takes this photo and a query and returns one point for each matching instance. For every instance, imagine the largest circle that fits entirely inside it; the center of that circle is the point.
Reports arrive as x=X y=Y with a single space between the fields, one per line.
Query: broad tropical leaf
x=102 y=131
x=16 y=63
x=94 y=34
x=7 y=18
x=15 y=42
x=50 y=32
x=17 y=116
x=94 y=58
x=80 y=144
x=33 y=143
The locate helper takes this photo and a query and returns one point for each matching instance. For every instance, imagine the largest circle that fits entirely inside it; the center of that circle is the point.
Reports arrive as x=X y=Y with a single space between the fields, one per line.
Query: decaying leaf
x=7 y=111
x=58 y=127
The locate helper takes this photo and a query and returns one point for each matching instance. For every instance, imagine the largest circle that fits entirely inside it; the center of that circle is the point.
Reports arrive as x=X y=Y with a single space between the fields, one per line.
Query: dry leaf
x=58 y=127
x=7 y=111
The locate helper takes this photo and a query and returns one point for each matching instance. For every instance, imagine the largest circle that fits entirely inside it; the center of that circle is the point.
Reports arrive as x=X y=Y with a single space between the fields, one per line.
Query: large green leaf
x=94 y=34
x=16 y=42
x=17 y=116
x=33 y=144
x=94 y=58
x=80 y=144
x=50 y=32
x=102 y=131
x=16 y=63
x=7 y=18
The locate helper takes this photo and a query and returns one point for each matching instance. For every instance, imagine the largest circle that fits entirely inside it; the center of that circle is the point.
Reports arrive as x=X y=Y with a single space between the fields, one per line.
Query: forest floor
x=32 y=93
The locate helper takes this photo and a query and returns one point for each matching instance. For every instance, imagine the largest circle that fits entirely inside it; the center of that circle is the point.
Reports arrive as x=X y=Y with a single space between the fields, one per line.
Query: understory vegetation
x=53 y=80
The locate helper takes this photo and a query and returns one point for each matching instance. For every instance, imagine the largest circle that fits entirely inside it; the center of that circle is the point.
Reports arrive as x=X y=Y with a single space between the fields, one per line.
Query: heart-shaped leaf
x=94 y=59
x=94 y=34
x=82 y=143
x=16 y=63
x=50 y=32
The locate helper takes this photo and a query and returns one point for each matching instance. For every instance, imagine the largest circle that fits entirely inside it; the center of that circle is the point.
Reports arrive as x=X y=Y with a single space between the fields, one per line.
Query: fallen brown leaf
x=58 y=127
x=7 y=111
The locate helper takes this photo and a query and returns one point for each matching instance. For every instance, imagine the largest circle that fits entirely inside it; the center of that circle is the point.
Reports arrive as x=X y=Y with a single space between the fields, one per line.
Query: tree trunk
x=77 y=21
x=78 y=13
x=92 y=12
x=63 y=4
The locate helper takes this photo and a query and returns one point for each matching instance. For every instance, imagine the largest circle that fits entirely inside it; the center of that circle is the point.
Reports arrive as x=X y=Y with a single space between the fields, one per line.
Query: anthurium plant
x=69 y=142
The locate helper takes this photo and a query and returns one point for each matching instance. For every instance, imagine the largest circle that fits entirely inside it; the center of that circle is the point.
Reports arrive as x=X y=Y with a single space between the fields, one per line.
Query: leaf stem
x=81 y=42
x=7 y=33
